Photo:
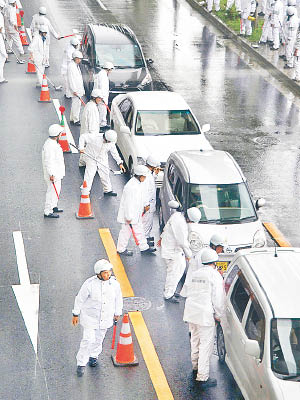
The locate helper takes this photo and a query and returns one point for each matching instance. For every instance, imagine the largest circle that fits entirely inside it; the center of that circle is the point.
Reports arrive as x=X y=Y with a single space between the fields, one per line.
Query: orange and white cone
x=18 y=16
x=23 y=36
x=30 y=68
x=63 y=141
x=45 y=94
x=125 y=356
x=85 y=209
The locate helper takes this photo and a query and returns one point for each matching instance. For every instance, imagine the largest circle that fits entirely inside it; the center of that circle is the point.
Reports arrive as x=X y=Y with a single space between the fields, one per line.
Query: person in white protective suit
x=99 y=302
x=3 y=53
x=203 y=307
x=276 y=23
x=292 y=30
x=132 y=205
x=247 y=10
x=101 y=82
x=75 y=83
x=267 y=31
x=67 y=58
x=150 y=191
x=11 y=28
x=41 y=19
x=283 y=32
x=38 y=53
x=211 y=3
x=54 y=170
x=175 y=248
x=297 y=57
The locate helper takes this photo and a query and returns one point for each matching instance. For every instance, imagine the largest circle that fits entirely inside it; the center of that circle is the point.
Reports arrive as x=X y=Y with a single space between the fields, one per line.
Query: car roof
x=279 y=277
x=112 y=34
x=208 y=167
x=158 y=100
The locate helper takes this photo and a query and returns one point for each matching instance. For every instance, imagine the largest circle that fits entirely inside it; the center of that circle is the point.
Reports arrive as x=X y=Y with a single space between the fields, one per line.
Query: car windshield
x=121 y=55
x=285 y=347
x=157 y=123
x=223 y=204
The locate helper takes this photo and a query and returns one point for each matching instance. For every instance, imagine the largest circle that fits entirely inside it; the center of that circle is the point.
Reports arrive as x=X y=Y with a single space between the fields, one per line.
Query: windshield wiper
x=211 y=221
x=237 y=221
x=286 y=378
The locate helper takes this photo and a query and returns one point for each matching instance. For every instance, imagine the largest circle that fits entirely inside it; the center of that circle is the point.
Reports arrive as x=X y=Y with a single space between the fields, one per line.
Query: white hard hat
x=217 y=240
x=194 y=214
x=108 y=65
x=111 y=136
x=153 y=162
x=141 y=170
x=2 y=3
x=209 y=256
x=77 y=54
x=102 y=265
x=173 y=204
x=74 y=41
x=96 y=93
x=43 y=28
x=55 y=130
x=291 y=10
x=292 y=2
x=12 y=1
x=43 y=10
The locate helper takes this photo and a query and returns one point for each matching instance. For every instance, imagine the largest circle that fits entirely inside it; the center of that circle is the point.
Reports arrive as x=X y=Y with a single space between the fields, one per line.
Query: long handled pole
x=57 y=88
x=114 y=335
x=55 y=190
x=134 y=235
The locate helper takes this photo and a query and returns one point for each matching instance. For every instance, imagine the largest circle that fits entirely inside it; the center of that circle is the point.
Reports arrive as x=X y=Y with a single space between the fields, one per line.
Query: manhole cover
x=136 y=304
x=266 y=140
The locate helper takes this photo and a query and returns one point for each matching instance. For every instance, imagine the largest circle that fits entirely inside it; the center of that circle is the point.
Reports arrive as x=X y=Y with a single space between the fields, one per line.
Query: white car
x=261 y=325
x=155 y=123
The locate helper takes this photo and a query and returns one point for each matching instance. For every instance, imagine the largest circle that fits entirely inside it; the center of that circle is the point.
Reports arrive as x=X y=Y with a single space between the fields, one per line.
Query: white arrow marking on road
x=101 y=5
x=27 y=294
x=29 y=34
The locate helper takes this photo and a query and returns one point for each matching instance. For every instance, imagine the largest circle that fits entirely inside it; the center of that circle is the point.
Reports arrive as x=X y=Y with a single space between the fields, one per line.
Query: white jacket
x=175 y=237
x=10 y=18
x=53 y=160
x=109 y=148
x=92 y=144
x=67 y=58
x=75 y=79
x=38 y=48
x=150 y=191
x=292 y=27
x=205 y=297
x=2 y=23
x=97 y=302
x=277 y=14
x=101 y=82
x=90 y=119
x=3 y=52
x=39 y=20
x=247 y=7
x=132 y=202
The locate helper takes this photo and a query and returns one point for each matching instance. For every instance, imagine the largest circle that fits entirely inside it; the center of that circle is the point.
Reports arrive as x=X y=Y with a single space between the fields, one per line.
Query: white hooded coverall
x=267 y=32
x=297 y=57
x=277 y=21
x=247 y=8
x=131 y=209
x=89 y=124
x=76 y=86
x=174 y=249
x=97 y=302
x=92 y=144
x=67 y=58
x=12 y=35
x=38 y=49
x=101 y=82
x=103 y=166
x=53 y=164
x=205 y=301
x=150 y=194
x=292 y=29
x=3 y=56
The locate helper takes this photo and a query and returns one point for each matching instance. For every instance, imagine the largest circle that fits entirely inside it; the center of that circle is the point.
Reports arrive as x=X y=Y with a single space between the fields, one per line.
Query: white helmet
x=55 y=130
x=43 y=10
x=74 y=41
x=12 y=1
x=153 y=162
x=173 y=204
x=102 y=265
x=111 y=136
x=194 y=214
x=292 y=2
x=96 y=93
x=2 y=3
x=77 y=54
x=290 y=10
x=108 y=65
x=209 y=256
x=217 y=240
x=141 y=170
x=43 y=28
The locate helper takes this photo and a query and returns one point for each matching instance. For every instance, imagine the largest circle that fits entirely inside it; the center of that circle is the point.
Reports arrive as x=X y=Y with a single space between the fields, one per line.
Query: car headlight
x=146 y=80
x=140 y=161
x=259 y=239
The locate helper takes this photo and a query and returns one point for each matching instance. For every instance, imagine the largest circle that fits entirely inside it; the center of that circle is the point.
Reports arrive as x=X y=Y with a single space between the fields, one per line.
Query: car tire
x=160 y=218
x=221 y=344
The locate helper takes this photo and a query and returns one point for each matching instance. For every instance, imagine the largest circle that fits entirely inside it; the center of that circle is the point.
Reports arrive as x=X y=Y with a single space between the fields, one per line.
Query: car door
x=166 y=191
x=124 y=117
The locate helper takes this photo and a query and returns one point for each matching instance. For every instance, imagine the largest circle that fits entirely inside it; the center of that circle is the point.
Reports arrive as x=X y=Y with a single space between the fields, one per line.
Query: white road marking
x=29 y=33
x=19 y=4
x=27 y=294
x=68 y=132
x=101 y=5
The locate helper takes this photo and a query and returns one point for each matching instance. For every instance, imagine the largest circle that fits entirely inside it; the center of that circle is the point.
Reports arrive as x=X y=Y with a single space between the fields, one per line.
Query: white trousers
x=210 y=4
x=125 y=233
x=289 y=52
x=90 y=170
x=245 y=27
x=148 y=223
x=275 y=34
x=267 y=32
x=47 y=55
x=66 y=85
x=51 y=196
x=231 y=2
x=2 y=62
x=202 y=344
x=75 y=109
x=90 y=345
x=14 y=38
x=40 y=70
x=297 y=67
x=102 y=114
x=175 y=270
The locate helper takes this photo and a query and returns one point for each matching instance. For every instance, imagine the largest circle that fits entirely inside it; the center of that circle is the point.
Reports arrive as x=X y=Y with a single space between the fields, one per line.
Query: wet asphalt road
x=251 y=116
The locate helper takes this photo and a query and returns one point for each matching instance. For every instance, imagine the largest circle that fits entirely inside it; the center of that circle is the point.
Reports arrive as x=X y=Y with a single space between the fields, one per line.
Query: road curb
x=274 y=71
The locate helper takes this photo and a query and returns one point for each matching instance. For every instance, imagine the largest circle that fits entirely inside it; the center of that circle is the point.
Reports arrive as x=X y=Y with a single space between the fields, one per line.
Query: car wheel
x=220 y=344
x=161 y=218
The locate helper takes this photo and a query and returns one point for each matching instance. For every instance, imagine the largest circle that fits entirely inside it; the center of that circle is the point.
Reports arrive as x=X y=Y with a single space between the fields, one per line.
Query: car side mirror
x=251 y=348
x=260 y=203
x=205 y=128
x=85 y=61
x=125 y=129
x=149 y=61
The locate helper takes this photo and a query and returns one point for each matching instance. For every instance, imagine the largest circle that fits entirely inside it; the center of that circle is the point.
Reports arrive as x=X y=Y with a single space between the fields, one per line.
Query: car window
x=171 y=174
x=125 y=107
x=230 y=277
x=255 y=325
x=129 y=117
x=240 y=297
x=178 y=191
x=126 y=55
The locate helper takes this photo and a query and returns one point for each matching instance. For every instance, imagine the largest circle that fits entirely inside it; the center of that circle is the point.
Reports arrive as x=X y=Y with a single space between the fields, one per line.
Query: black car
x=119 y=45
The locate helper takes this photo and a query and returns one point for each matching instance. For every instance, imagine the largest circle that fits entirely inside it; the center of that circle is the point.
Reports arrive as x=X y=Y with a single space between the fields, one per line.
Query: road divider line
x=29 y=34
x=276 y=235
x=150 y=356
x=101 y=5
x=67 y=129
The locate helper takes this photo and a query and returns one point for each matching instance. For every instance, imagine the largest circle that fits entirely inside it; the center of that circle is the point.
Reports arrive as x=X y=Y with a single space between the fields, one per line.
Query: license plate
x=222 y=265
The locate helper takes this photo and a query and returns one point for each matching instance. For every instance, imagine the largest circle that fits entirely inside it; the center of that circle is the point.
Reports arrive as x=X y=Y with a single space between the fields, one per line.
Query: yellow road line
x=150 y=356
x=276 y=235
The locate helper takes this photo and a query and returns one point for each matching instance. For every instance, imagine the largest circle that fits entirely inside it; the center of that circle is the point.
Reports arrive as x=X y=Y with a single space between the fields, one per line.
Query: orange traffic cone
x=23 y=36
x=18 y=16
x=45 y=94
x=63 y=141
x=125 y=355
x=30 y=68
x=85 y=209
